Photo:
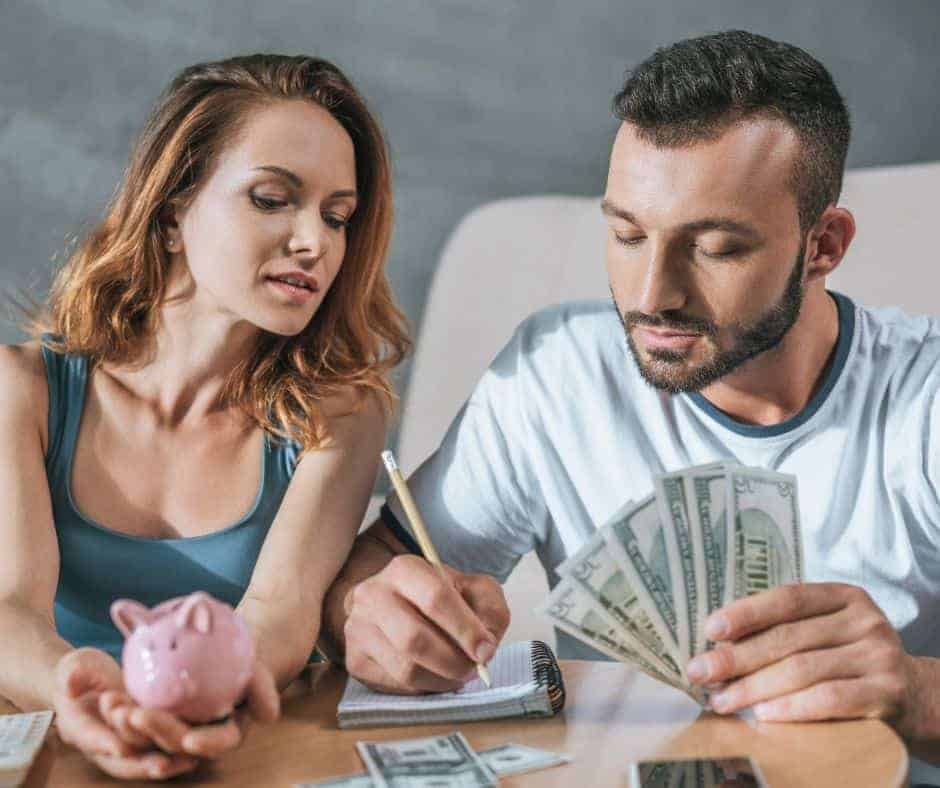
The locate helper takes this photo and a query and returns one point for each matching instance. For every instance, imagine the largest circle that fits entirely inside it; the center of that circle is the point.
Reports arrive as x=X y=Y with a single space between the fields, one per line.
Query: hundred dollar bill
x=680 y=549
x=441 y=761
x=636 y=537
x=708 y=494
x=595 y=568
x=764 y=547
x=573 y=610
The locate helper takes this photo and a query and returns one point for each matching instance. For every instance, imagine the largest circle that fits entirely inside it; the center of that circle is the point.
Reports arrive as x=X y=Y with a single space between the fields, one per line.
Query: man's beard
x=663 y=369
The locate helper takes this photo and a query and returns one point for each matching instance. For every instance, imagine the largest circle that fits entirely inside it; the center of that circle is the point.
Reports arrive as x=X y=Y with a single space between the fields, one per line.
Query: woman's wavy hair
x=104 y=301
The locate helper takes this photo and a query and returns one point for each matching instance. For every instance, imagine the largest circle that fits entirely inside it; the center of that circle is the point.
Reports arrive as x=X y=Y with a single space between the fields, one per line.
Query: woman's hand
x=166 y=731
x=83 y=678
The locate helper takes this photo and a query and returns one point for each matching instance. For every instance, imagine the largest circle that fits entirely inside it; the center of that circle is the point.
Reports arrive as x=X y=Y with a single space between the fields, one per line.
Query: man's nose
x=662 y=288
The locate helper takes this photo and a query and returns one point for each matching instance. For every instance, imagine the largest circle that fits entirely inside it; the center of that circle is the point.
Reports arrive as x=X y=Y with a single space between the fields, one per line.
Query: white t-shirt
x=562 y=430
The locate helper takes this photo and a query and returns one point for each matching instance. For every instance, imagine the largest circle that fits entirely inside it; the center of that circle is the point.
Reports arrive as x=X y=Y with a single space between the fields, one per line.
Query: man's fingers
x=792 y=674
x=436 y=596
x=838 y=699
x=149 y=766
x=777 y=606
x=730 y=659
x=485 y=596
x=264 y=702
x=372 y=659
x=415 y=639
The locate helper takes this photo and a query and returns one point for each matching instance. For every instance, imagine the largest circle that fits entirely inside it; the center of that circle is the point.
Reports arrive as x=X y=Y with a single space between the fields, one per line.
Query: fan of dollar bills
x=641 y=588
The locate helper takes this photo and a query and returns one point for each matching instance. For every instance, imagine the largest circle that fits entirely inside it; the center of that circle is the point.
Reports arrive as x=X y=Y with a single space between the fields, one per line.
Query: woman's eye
x=625 y=240
x=336 y=222
x=267 y=203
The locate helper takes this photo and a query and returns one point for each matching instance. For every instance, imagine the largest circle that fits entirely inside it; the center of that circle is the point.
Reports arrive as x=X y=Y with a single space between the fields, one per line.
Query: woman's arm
x=310 y=539
x=29 y=550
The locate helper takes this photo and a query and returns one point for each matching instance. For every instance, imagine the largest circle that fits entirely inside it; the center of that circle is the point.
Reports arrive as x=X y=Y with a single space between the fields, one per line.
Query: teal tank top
x=99 y=565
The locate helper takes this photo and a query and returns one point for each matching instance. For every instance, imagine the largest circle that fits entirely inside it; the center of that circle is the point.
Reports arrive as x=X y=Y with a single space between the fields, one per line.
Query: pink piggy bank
x=192 y=655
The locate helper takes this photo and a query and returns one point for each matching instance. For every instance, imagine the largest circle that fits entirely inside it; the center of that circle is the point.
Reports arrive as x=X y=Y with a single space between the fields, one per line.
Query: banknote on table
x=641 y=587
x=504 y=760
x=512 y=758
x=21 y=737
x=446 y=761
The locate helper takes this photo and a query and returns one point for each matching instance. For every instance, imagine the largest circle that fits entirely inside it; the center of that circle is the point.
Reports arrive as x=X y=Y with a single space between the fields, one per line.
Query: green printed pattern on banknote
x=436 y=760
x=597 y=570
x=766 y=549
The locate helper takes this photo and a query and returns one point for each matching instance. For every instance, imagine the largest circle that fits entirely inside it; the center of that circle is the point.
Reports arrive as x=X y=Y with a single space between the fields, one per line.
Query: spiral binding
x=548 y=674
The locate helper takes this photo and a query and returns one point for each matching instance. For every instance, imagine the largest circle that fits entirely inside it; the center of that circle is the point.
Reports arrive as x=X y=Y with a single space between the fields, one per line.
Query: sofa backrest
x=510 y=258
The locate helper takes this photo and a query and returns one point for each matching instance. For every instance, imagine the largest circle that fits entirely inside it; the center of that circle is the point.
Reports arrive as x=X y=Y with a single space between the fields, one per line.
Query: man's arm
x=401 y=627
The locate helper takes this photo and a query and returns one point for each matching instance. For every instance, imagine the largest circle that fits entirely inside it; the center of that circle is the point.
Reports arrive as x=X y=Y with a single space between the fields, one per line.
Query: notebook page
x=510 y=669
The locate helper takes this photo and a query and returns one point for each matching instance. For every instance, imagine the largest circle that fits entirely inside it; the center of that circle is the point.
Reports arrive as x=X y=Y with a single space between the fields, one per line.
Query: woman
x=204 y=401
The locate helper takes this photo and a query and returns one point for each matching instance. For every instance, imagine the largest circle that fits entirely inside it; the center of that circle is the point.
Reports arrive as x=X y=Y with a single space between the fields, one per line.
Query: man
x=724 y=343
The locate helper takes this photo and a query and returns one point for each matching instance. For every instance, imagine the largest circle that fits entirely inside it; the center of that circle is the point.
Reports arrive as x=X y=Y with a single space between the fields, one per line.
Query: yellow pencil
x=421 y=532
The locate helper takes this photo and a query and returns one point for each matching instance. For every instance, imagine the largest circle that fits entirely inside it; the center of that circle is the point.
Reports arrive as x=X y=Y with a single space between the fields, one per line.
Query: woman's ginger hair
x=105 y=301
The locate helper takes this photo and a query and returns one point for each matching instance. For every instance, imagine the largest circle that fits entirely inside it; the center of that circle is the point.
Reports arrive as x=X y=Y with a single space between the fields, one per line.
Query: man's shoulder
x=569 y=327
x=891 y=336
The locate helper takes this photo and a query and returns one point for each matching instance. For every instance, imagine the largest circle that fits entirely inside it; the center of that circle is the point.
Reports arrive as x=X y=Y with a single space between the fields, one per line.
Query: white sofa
x=509 y=258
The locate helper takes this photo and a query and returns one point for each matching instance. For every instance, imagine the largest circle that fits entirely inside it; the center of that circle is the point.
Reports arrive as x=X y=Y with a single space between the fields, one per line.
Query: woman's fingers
x=165 y=730
x=264 y=702
x=148 y=766
x=211 y=741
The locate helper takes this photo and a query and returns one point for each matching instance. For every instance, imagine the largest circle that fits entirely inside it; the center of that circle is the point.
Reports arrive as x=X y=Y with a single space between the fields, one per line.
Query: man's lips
x=653 y=338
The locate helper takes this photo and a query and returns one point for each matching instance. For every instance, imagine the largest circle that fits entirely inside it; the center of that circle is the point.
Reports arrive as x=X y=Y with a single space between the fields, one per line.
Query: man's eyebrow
x=699 y=225
x=297 y=181
x=719 y=223
x=609 y=209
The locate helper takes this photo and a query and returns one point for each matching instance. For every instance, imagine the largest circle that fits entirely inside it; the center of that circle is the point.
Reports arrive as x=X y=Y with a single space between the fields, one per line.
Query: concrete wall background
x=481 y=99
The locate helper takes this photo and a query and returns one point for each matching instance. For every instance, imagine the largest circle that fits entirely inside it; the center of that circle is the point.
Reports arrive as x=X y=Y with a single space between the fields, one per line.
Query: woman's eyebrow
x=297 y=181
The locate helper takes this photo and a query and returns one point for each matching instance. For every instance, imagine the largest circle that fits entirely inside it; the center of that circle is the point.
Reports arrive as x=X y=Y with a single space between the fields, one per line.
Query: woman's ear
x=169 y=222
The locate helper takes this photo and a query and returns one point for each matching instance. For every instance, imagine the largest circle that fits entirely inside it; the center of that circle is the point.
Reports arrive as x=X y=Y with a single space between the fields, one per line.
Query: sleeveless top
x=99 y=565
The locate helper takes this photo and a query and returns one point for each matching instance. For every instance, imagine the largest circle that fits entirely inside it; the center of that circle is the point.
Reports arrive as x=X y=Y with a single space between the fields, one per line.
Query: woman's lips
x=667 y=340
x=299 y=295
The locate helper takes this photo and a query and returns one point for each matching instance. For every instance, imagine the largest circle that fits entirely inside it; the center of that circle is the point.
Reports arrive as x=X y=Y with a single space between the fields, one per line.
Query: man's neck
x=777 y=385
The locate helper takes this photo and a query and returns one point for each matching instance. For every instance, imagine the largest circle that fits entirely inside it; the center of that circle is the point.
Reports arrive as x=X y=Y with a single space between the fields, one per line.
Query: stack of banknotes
x=641 y=588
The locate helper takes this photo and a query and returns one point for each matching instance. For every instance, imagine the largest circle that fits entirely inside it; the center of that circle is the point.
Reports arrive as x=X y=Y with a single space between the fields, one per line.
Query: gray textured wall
x=481 y=99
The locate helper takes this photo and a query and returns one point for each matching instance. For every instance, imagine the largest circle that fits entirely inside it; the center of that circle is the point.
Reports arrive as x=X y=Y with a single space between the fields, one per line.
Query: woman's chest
x=156 y=483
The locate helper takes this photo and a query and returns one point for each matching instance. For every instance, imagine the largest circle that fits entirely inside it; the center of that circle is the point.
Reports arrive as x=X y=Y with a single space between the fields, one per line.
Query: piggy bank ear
x=195 y=613
x=128 y=615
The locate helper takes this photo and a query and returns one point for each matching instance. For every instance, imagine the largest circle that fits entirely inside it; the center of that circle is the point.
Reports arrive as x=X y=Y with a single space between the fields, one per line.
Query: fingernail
x=485 y=651
x=155 y=772
x=697 y=669
x=719 y=701
x=716 y=628
x=762 y=710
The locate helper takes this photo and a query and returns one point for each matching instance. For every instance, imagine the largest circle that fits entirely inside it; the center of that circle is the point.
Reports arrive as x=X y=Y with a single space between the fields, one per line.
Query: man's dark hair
x=693 y=90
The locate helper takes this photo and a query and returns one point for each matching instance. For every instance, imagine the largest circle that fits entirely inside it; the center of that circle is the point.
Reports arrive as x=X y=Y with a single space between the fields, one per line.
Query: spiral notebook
x=526 y=683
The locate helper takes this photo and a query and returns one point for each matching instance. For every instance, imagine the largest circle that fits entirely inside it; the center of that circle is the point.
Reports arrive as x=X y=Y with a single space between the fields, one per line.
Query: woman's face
x=276 y=205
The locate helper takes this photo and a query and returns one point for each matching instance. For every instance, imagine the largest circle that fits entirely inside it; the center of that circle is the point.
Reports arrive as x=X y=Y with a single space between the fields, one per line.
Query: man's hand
x=811 y=651
x=408 y=630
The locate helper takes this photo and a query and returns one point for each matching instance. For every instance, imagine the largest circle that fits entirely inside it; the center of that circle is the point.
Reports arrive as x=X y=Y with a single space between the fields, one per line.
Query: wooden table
x=613 y=715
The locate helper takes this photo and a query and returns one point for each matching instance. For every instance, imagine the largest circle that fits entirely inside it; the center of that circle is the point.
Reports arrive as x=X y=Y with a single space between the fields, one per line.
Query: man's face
x=704 y=251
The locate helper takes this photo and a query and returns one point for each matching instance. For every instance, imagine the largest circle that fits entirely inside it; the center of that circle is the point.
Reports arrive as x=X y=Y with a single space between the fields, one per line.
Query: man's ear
x=829 y=240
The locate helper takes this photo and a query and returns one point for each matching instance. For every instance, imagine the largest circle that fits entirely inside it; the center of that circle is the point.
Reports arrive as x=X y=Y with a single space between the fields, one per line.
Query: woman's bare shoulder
x=23 y=381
